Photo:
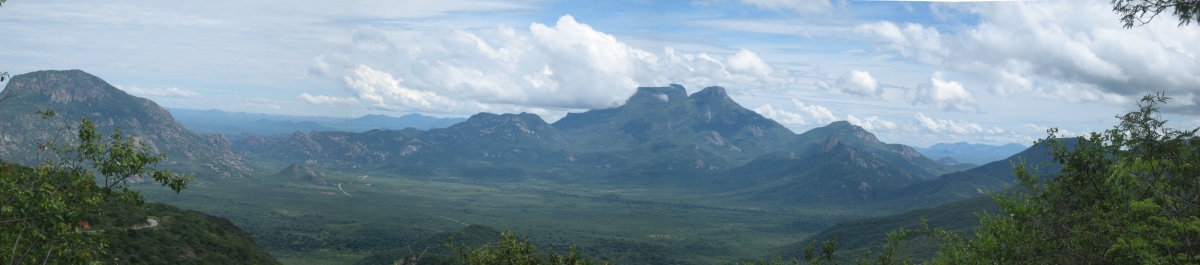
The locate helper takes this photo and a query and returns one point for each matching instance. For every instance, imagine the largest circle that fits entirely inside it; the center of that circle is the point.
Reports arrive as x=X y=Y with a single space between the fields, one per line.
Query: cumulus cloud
x=818 y=113
x=944 y=94
x=855 y=83
x=568 y=65
x=946 y=126
x=1071 y=50
x=788 y=119
x=160 y=92
x=327 y=100
x=871 y=123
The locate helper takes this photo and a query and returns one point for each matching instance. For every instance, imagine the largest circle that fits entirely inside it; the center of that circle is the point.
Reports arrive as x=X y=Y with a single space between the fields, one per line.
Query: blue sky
x=916 y=73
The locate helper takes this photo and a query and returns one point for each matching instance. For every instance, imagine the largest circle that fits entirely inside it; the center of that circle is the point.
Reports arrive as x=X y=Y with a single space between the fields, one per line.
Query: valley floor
x=353 y=216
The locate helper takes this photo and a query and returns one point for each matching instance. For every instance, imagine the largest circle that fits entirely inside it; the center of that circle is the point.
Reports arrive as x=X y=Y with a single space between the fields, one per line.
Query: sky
x=912 y=72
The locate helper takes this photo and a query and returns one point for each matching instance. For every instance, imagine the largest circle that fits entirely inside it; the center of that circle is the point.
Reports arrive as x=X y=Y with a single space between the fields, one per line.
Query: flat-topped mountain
x=704 y=130
x=74 y=94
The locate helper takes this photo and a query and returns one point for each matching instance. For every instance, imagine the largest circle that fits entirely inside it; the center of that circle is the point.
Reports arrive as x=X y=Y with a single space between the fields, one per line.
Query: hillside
x=858 y=236
x=836 y=174
x=74 y=94
x=977 y=181
x=181 y=237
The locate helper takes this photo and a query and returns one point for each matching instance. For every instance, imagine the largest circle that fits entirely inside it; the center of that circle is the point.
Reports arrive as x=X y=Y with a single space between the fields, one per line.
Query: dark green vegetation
x=667 y=178
x=869 y=234
x=1123 y=196
x=181 y=237
x=978 y=154
x=42 y=207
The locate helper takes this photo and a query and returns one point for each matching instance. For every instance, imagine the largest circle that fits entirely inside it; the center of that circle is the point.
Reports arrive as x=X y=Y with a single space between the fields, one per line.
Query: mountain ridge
x=73 y=94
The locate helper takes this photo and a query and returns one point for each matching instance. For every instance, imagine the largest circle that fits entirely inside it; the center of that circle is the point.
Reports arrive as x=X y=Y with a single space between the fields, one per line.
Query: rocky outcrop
x=74 y=94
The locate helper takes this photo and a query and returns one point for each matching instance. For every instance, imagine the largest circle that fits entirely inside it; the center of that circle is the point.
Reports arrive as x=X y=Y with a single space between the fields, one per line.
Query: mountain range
x=978 y=154
x=215 y=121
x=660 y=134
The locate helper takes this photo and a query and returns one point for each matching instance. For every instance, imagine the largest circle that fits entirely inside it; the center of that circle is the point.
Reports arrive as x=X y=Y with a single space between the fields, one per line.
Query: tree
x=42 y=207
x=1143 y=11
x=1128 y=195
x=512 y=250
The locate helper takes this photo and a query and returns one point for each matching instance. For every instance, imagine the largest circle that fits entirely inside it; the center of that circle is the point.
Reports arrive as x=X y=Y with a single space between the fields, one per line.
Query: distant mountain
x=971 y=153
x=223 y=122
x=74 y=94
x=977 y=181
x=663 y=128
x=855 y=136
x=659 y=133
x=835 y=174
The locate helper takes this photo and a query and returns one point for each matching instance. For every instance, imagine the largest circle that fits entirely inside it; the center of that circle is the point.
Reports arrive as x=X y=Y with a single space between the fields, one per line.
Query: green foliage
x=1143 y=11
x=42 y=206
x=182 y=237
x=1124 y=196
x=862 y=235
x=512 y=250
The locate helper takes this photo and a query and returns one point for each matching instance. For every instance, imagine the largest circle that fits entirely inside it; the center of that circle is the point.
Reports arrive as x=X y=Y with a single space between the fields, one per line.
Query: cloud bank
x=1076 y=51
x=568 y=65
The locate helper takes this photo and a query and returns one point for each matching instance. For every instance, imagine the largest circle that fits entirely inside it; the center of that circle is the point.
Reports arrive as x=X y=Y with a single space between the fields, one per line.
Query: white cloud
x=569 y=65
x=818 y=113
x=855 y=83
x=327 y=100
x=160 y=92
x=1071 y=50
x=946 y=126
x=787 y=119
x=944 y=94
x=913 y=40
x=745 y=61
x=871 y=123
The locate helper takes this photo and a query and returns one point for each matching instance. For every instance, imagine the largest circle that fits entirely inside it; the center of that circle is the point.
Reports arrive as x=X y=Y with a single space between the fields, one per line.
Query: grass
x=300 y=223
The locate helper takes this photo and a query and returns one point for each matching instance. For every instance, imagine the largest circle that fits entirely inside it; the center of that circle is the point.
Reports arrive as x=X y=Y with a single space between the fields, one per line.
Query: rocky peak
x=830 y=143
x=658 y=94
x=712 y=92
x=62 y=86
x=847 y=129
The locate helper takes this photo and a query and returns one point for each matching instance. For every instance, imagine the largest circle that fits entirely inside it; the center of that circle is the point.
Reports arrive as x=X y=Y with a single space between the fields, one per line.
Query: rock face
x=948 y=161
x=74 y=94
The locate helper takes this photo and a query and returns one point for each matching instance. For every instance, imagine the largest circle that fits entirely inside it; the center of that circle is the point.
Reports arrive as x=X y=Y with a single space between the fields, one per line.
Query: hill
x=300 y=173
x=858 y=236
x=977 y=181
x=836 y=174
x=74 y=94
x=180 y=237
